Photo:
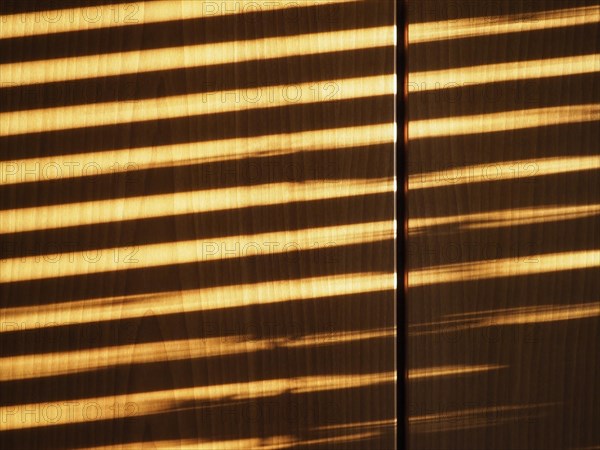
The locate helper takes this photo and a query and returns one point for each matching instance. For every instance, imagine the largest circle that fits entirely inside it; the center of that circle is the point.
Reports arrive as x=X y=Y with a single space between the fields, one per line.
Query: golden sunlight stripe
x=509 y=316
x=502 y=170
x=145 y=403
x=515 y=23
x=502 y=121
x=76 y=361
x=139 y=13
x=494 y=73
x=97 y=310
x=263 y=443
x=505 y=218
x=115 y=113
x=132 y=159
x=479 y=418
x=201 y=250
x=472 y=413
x=365 y=424
x=282 y=442
x=506 y=267
x=444 y=371
x=98 y=66
x=203 y=201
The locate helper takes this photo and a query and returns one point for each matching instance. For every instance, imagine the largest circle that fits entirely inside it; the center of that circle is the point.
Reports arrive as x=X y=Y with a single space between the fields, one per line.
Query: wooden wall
x=197 y=224
x=503 y=245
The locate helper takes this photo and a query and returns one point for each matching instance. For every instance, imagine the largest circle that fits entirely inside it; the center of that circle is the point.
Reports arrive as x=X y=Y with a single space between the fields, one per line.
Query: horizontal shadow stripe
x=528 y=322
x=504 y=96
x=222 y=77
x=291 y=320
x=503 y=121
x=248 y=366
x=329 y=166
x=455 y=245
x=218 y=420
x=464 y=52
x=517 y=364
x=23 y=6
x=257 y=122
x=372 y=257
x=441 y=10
x=218 y=224
x=192 y=105
x=206 y=30
x=438 y=153
x=576 y=188
x=493 y=343
x=581 y=285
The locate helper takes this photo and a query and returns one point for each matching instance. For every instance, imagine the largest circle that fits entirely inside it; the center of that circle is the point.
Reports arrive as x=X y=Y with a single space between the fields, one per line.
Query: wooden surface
x=197 y=207
x=503 y=230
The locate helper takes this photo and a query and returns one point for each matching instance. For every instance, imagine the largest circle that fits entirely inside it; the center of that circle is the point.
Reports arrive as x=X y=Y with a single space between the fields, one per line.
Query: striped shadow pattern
x=503 y=209
x=198 y=225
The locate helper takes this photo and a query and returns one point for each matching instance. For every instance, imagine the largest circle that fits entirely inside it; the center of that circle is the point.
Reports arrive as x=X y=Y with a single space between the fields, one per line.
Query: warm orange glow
x=133 y=208
x=444 y=371
x=510 y=316
x=494 y=73
x=513 y=23
x=367 y=424
x=133 y=159
x=506 y=267
x=504 y=218
x=98 y=66
x=504 y=170
x=134 y=306
x=189 y=274
x=168 y=400
x=123 y=15
x=114 y=113
x=270 y=443
x=502 y=121
x=218 y=248
x=71 y=362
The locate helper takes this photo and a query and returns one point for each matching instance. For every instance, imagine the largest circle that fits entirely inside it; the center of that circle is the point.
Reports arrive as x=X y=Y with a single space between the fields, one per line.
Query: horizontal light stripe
x=507 y=267
x=505 y=218
x=72 y=362
x=509 y=316
x=473 y=413
x=182 y=252
x=148 y=206
x=444 y=371
x=115 y=113
x=503 y=170
x=351 y=438
x=479 y=418
x=132 y=159
x=190 y=301
x=147 y=403
x=494 y=73
x=493 y=25
x=262 y=443
x=140 y=13
x=502 y=121
x=365 y=424
x=98 y=66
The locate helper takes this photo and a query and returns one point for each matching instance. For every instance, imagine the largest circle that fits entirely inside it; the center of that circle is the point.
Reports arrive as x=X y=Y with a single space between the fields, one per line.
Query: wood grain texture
x=197 y=225
x=503 y=225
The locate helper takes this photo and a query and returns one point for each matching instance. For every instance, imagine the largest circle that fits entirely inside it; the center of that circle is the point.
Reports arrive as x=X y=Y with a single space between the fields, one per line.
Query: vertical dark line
x=401 y=215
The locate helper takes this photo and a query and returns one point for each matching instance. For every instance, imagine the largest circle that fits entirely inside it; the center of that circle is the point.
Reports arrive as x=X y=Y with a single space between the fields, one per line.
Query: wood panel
x=197 y=225
x=503 y=244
